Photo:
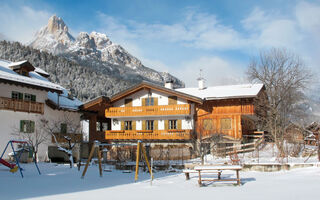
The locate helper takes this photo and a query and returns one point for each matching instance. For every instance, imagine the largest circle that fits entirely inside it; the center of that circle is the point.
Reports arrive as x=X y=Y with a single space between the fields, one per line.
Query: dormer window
x=24 y=73
x=23 y=68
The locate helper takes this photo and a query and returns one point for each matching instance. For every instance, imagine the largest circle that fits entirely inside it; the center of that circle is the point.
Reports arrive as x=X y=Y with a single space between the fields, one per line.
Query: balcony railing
x=22 y=106
x=149 y=135
x=181 y=109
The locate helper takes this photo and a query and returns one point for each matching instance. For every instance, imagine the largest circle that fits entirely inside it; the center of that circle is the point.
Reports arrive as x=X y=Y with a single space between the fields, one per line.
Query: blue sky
x=181 y=37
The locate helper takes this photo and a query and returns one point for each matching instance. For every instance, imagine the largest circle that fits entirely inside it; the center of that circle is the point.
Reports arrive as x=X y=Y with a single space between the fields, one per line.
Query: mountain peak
x=56 y=24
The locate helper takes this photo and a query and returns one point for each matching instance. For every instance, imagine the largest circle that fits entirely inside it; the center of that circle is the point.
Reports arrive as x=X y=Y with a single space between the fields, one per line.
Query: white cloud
x=19 y=23
x=200 y=30
x=215 y=70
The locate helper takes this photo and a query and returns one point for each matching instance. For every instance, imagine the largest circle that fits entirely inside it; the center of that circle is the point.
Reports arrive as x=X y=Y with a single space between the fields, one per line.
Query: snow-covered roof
x=41 y=71
x=63 y=101
x=35 y=79
x=224 y=92
x=11 y=64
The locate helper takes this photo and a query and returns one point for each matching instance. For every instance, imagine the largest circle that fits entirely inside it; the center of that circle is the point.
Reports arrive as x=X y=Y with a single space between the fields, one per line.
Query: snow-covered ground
x=61 y=182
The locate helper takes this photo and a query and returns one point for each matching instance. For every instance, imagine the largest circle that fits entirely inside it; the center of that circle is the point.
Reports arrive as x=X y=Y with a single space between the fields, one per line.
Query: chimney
x=169 y=84
x=201 y=82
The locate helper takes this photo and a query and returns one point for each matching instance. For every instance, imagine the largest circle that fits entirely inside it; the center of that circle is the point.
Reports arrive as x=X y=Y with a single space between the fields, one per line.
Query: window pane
x=226 y=124
x=207 y=124
x=128 y=125
x=27 y=97
x=63 y=128
x=172 y=124
x=149 y=124
x=15 y=95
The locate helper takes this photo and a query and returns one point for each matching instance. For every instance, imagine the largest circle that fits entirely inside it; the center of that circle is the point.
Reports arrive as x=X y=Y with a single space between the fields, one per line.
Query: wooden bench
x=187 y=172
x=213 y=169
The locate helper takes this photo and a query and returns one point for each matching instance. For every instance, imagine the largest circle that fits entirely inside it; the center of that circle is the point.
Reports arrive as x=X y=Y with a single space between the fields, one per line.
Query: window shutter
x=21 y=125
x=166 y=124
x=155 y=101
x=143 y=124
x=179 y=124
x=32 y=126
x=143 y=101
x=20 y=96
x=128 y=102
x=134 y=125
x=172 y=100
x=33 y=98
x=122 y=125
x=155 y=125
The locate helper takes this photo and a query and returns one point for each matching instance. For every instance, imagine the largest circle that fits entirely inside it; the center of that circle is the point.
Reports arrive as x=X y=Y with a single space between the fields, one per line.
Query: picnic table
x=215 y=169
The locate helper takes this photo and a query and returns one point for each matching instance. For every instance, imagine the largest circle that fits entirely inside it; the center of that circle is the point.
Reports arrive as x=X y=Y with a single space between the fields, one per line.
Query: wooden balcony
x=149 y=135
x=181 y=109
x=22 y=106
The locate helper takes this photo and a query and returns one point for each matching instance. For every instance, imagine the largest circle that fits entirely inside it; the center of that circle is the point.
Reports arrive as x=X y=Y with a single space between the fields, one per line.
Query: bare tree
x=65 y=133
x=32 y=134
x=285 y=77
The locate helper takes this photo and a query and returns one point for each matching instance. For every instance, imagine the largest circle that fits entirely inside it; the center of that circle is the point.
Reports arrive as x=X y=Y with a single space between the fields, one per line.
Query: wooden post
x=238 y=178
x=199 y=181
x=187 y=176
x=146 y=158
x=99 y=160
x=89 y=159
x=137 y=161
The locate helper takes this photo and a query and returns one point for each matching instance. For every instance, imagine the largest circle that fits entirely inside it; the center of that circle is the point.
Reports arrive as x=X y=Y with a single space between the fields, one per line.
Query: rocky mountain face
x=97 y=51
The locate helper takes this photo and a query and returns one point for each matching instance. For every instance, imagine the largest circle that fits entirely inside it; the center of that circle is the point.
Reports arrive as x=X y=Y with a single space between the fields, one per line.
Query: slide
x=13 y=167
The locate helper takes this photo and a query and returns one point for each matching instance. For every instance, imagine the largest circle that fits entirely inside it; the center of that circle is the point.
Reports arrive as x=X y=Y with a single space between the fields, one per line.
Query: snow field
x=61 y=182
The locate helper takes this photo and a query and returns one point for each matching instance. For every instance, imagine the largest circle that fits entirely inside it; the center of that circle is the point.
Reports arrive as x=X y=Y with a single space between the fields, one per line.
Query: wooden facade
x=232 y=117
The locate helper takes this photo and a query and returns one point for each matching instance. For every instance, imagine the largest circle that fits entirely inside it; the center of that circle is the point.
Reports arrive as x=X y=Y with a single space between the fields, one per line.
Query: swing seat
x=14 y=169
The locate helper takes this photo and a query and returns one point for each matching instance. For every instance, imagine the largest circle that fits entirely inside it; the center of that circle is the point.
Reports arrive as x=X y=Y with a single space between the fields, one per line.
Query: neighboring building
x=230 y=110
x=27 y=96
x=312 y=137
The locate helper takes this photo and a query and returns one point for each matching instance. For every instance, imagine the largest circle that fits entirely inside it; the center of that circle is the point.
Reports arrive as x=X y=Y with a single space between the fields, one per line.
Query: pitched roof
x=34 y=80
x=145 y=84
x=56 y=93
x=224 y=92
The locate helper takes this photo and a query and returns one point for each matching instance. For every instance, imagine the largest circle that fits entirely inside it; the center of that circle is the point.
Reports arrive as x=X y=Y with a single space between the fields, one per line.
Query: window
x=172 y=124
x=98 y=126
x=207 y=124
x=104 y=126
x=149 y=124
x=226 y=124
x=24 y=73
x=29 y=97
x=27 y=126
x=127 y=125
x=172 y=100
x=149 y=101
x=128 y=102
x=63 y=128
x=17 y=95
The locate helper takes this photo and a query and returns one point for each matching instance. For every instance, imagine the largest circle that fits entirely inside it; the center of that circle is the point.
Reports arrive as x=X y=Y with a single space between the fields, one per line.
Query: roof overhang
x=96 y=104
x=24 y=84
x=23 y=64
x=148 y=85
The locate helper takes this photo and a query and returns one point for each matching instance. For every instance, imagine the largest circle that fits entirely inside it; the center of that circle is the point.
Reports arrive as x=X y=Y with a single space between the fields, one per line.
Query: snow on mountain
x=94 y=49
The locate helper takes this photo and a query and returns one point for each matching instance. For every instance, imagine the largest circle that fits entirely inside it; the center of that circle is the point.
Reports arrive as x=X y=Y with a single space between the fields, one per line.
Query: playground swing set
x=17 y=154
x=140 y=150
